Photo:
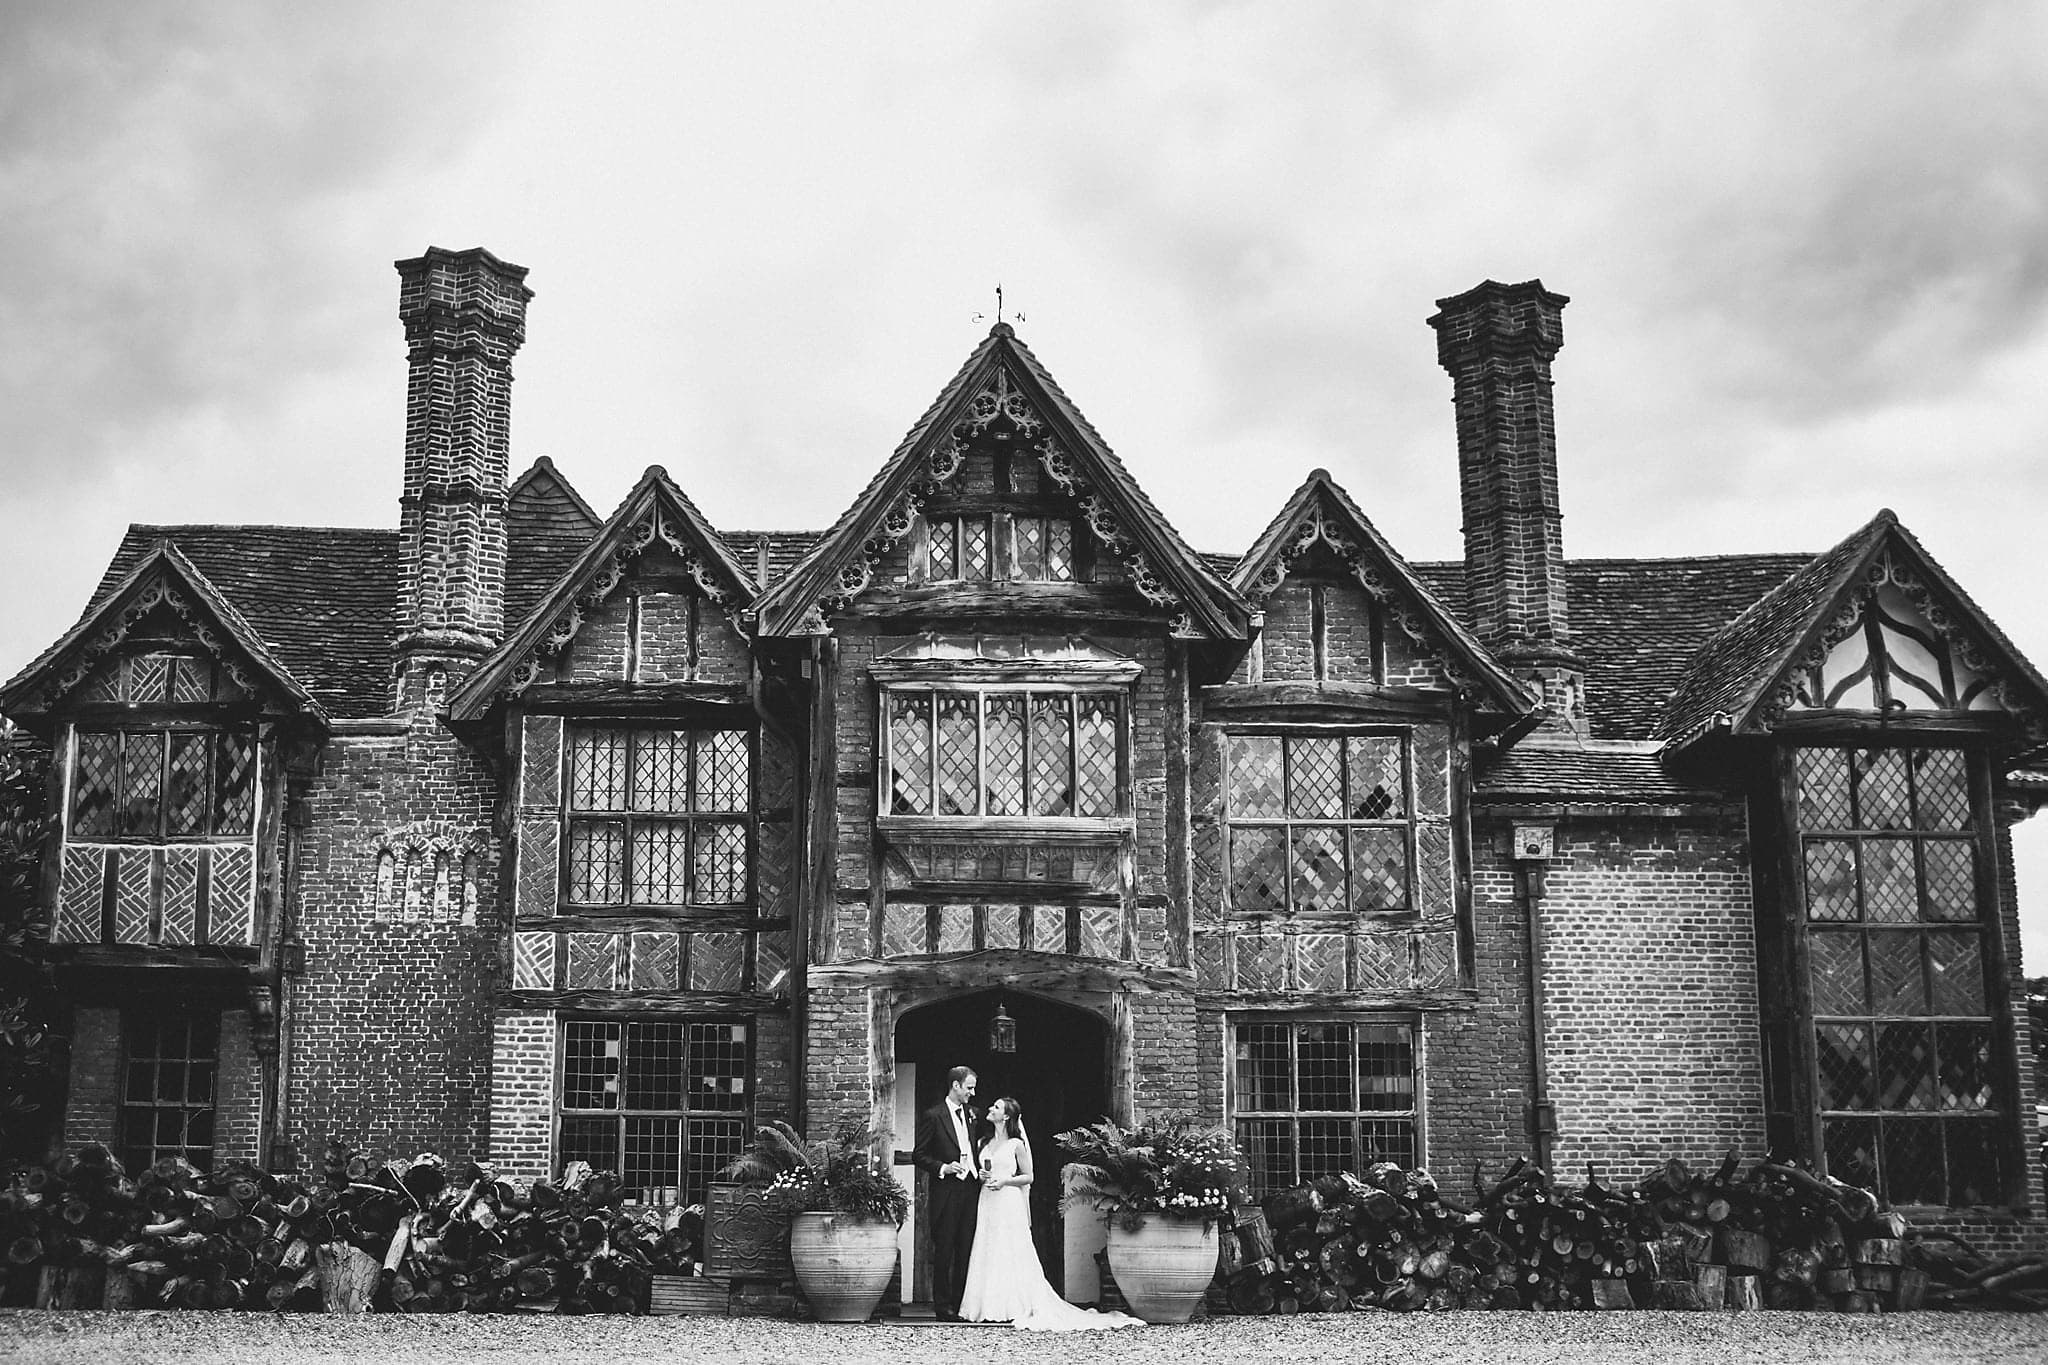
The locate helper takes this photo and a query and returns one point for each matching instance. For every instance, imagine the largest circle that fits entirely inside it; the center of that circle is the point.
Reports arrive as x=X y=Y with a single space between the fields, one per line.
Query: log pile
x=1773 y=1236
x=414 y=1236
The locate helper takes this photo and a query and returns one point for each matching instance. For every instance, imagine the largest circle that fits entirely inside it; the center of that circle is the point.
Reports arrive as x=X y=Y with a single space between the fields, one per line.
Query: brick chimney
x=465 y=316
x=1497 y=342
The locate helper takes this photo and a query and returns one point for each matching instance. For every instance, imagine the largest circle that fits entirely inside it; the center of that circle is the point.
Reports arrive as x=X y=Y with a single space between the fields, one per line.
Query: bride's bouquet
x=834 y=1174
x=1175 y=1165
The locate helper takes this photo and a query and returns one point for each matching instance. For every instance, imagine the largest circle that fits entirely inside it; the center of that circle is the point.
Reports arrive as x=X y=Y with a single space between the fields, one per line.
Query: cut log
x=1743 y=1252
x=348 y=1277
x=1878 y=1251
x=1611 y=1294
x=1877 y=1279
x=1713 y=1285
x=1912 y=1290
x=1674 y=1294
x=75 y=1286
x=1745 y=1292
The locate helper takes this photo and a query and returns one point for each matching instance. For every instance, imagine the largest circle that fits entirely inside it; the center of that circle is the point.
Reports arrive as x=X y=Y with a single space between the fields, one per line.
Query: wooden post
x=1180 y=925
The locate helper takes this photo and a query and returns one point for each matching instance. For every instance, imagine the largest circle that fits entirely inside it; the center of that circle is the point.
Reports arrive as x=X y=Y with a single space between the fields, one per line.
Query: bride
x=1004 y=1281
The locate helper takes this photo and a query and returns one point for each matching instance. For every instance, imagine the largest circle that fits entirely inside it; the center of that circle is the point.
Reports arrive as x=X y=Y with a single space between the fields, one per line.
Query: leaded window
x=1908 y=1080
x=171 y=1060
x=962 y=548
x=1003 y=752
x=658 y=817
x=663 y=1103
x=1312 y=1097
x=1045 y=549
x=153 y=785
x=1321 y=825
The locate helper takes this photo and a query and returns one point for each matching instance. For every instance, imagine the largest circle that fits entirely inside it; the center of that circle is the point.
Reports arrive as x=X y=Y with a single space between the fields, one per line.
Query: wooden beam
x=1180 y=924
x=1353 y=701
x=692 y=1003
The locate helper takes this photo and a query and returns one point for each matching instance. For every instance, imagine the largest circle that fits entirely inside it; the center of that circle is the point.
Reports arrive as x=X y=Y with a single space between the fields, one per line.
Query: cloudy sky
x=1807 y=248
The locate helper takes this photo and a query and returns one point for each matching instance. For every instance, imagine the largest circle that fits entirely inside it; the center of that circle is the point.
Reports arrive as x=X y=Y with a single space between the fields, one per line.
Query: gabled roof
x=838 y=565
x=1320 y=510
x=547 y=524
x=1734 y=675
x=655 y=509
x=162 y=575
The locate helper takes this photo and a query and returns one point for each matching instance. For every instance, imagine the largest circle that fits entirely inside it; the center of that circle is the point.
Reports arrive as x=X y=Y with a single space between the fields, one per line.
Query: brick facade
x=420 y=948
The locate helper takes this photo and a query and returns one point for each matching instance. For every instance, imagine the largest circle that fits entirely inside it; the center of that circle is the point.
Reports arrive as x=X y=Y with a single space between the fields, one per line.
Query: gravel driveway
x=29 y=1337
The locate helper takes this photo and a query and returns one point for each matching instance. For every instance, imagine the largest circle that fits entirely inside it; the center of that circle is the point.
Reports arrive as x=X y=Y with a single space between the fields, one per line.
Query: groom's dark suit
x=952 y=1202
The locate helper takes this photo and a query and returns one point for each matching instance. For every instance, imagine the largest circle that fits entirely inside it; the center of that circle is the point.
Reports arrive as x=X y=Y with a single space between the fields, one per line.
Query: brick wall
x=93 y=1105
x=837 y=1076
x=1651 y=1015
x=523 y=1094
x=238 y=1099
x=392 y=1022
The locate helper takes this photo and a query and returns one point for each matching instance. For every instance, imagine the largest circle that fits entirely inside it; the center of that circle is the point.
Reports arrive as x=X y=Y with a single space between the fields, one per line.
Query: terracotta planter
x=1165 y=1267
x=843 y=1261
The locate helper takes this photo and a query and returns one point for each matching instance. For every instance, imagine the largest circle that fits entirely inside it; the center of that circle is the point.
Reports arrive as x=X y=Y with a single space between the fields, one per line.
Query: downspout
x=1532 y=851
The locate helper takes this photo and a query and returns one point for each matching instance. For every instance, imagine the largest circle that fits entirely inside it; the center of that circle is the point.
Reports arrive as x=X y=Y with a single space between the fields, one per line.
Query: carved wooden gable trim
x=1894 y=644
x=1001 y=410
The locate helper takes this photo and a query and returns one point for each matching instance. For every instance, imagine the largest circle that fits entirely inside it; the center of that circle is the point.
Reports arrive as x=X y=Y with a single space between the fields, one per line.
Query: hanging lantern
x=1002 y=1031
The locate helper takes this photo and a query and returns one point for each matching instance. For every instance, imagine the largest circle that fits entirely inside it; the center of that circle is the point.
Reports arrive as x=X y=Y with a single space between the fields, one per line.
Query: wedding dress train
x=1004 y=1280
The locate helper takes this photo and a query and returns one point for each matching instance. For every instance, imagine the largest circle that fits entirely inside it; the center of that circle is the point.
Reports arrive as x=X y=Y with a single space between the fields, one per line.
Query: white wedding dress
x=1004 y=1281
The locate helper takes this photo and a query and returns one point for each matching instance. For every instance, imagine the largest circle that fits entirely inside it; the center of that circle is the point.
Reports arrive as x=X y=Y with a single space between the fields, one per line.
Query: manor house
x=534 y=834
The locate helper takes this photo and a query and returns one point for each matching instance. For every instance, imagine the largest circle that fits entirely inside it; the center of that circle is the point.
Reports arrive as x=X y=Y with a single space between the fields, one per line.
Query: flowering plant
x=1176 y=1164
x=835 y=1174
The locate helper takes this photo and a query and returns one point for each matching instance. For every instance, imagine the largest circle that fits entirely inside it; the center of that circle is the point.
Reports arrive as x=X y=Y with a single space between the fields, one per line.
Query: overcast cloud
x=1807 y=248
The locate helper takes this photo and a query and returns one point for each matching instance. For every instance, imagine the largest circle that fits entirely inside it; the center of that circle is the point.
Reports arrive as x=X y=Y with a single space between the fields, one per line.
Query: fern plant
x=1175 y=1164
x=838 y=1173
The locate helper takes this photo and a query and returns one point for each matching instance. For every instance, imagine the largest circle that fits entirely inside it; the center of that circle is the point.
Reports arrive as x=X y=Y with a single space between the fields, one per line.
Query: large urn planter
x=1165 y=1267
x=843 y=1262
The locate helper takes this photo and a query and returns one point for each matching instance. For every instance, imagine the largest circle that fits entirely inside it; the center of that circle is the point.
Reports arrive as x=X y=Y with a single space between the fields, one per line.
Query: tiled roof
x=1637 y=623
x=323 y=599
x=547 y=524
x=785 y=548
x=1747 y=653
x=1592 y=775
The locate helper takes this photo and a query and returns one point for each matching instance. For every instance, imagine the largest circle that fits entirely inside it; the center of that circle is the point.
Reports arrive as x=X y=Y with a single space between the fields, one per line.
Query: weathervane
x=983 y=317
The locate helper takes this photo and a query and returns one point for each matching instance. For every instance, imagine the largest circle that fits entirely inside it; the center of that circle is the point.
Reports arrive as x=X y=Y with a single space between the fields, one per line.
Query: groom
x=948 y=1149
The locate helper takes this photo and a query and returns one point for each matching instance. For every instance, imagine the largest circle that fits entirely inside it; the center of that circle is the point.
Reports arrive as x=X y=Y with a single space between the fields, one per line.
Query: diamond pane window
x=1095 y=745
x=234 y=783
x=651 y=816
x=974 y=549
x=142 y=782
x=187 y=793
x=944 y=560
x=96 y=785
x=1314 y=1097
x=665 y=1103
x=959 y=740
x=1338 y=806
x=721 y=770
x=1050 y=768
x=910 y=753
x=1003 y=753
x=661 y=771
x=1908 y=1085
x=1059 y=551
x=721 y=862
x=960 y=752
x=1030 y=548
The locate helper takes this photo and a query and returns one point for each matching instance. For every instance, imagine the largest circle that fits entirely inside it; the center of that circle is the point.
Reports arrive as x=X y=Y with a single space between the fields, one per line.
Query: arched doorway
x=1059 y=1074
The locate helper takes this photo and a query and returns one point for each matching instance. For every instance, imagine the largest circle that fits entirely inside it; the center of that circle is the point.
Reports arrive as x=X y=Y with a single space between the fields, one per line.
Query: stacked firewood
x=1773 y=1236
x=417 y=1236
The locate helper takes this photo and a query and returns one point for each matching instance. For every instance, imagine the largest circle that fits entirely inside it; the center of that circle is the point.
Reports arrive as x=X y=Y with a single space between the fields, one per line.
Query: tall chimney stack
x=1497 y=342
x=465 y=317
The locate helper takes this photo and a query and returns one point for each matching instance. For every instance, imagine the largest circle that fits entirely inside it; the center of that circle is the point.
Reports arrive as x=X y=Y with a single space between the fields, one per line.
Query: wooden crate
x=672 y=1295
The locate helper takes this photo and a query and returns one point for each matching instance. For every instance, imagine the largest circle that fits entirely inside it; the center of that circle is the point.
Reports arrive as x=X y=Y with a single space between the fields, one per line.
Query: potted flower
x=1165 y=1185
x=844 y=1207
